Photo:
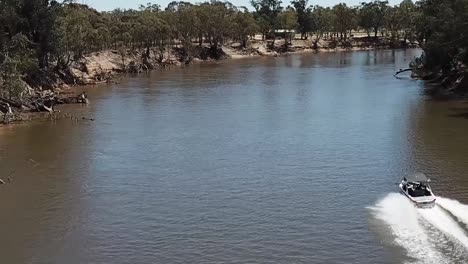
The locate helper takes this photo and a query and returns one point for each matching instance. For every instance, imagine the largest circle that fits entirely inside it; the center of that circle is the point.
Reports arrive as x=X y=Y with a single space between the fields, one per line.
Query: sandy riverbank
x=102 y=66
x=106 y=66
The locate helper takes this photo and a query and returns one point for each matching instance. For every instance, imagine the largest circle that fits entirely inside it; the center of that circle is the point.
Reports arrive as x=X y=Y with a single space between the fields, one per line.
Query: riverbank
x=444 y=85
x=105 y=66
x=102 y=67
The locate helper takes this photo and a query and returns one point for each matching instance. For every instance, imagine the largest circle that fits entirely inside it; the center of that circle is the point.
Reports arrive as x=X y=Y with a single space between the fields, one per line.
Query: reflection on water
x=266 y=160
x=438 y=140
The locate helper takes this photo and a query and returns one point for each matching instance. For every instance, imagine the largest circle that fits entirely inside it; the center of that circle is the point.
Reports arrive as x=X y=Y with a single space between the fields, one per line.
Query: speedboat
x=416 y=188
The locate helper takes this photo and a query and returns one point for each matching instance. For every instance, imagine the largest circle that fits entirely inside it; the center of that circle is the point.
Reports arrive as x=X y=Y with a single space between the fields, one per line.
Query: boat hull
x=420 y=202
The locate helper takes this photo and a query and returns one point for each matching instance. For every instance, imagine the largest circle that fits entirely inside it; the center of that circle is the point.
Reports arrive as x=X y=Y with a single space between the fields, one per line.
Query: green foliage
x=321 y=21
x=408 y=15
x=344 y=19
x=244 y=25
x=441 y=31
x=39 y=36
x=288 y=21
x=11 y=84
x=267 y=12
x=218 y=26
x=74 y=30
x=303 y=16
x=13 y=64
x=372 y=15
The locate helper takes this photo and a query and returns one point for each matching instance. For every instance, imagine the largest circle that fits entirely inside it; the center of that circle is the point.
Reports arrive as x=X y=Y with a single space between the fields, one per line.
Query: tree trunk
x=244 y=43
x=273 y=43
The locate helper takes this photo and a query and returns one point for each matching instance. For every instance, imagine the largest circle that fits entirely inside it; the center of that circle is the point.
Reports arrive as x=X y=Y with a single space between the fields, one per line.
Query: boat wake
x=435 y=235
x=457 y=209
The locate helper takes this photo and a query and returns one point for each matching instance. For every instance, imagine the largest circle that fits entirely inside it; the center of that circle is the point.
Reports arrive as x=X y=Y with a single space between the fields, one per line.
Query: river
x=291 y=159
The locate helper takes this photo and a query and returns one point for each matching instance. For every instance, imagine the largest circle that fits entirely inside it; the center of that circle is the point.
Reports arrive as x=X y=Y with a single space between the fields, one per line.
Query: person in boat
x=410 y=189
x=418 y=190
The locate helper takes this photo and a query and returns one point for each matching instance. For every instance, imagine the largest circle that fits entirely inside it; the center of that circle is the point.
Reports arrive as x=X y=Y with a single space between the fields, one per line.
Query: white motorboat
x=416 y=187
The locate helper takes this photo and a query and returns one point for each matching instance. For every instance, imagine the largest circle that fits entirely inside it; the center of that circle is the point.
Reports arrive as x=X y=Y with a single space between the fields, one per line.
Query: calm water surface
x=269 y=160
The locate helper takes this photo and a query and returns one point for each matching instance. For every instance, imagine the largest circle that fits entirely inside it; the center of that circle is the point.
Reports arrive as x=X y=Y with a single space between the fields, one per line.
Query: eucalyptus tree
x=288 y=22
x=185 y=20
x=442 y=33
x=344 y=20
x=321 y=20
x=73 y=29
x=244 y=26
x=267 y=12
x=162 y=36
x=393 y=23
x=27 y=42
x=220 y=20
x=372 y=16
x=120 y=27
x=263 y=25
x=149 y=7
x=408 y=16
x=15 y=62
x=303 y=17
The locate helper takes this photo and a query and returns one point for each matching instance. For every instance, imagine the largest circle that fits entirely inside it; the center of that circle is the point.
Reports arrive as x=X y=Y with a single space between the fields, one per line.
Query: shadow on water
x=438 y=136
x=461 y=112
x=437 y=94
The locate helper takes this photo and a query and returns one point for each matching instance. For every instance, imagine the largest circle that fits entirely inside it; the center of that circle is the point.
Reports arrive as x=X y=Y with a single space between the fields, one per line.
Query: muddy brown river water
x=269 y=160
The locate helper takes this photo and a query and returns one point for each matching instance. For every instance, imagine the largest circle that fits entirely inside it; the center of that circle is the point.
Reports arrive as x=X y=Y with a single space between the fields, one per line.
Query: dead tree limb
x=401 y=71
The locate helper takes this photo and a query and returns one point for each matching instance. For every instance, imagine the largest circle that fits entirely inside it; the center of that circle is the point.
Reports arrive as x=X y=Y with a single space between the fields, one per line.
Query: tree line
x=40 y=37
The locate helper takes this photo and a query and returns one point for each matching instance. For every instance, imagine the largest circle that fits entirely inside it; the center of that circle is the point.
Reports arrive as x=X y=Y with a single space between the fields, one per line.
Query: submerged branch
x=401 y=71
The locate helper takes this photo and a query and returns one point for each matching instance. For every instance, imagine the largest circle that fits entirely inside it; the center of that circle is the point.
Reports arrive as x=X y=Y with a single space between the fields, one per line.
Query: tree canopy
x=39 y=36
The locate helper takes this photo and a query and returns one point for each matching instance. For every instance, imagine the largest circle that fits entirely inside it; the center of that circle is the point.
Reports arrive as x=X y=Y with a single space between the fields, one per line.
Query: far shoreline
x=26 y=117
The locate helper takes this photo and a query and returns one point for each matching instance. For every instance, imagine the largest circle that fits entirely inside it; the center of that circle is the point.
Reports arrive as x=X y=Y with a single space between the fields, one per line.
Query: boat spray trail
x=445 y=223
x=404 y=221
x=457 y=209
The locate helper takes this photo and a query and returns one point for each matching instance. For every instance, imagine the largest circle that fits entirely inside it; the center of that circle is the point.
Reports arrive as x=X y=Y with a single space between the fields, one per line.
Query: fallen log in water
x=44 y=101
x=401 y=71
